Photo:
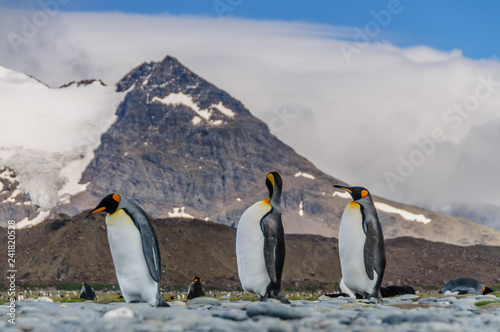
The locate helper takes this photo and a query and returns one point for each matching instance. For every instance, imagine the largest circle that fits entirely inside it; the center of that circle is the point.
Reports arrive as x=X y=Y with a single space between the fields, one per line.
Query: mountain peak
x=150 y=75
x=172 y=84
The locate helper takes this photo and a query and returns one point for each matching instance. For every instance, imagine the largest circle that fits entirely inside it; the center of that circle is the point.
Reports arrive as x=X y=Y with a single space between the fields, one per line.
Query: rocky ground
x=404 y=313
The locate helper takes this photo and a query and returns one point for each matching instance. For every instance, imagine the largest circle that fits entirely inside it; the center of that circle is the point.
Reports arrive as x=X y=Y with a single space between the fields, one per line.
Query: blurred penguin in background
x=87 y=292
x=462 y=286
x=195 y=289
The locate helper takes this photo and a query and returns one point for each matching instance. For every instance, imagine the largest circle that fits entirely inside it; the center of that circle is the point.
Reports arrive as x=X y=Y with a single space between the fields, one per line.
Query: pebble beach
x=403 y=313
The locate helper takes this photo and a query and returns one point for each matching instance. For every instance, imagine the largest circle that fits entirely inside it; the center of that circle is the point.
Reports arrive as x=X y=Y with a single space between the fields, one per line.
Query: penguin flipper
x=269 y=228
x=149 y=241
x=374 y=251
x=370 y=248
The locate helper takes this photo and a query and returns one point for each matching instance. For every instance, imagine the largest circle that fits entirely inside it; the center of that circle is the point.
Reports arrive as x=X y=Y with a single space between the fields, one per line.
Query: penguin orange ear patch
x=116 y=197
x=364 y=193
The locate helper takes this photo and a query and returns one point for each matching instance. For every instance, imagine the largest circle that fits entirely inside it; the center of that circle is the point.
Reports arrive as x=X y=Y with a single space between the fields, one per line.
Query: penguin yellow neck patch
x=267 y=200
x=270 y=177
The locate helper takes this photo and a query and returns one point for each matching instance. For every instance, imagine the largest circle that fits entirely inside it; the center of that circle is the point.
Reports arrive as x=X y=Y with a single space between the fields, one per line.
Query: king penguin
x=195 y=289
x=260 y=244
x=134 y=249
x=87 y=292
x=465 y=286
x=361 y=245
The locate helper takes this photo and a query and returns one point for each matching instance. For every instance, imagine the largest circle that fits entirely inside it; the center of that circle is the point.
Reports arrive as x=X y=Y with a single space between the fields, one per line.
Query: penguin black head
x=487 y=290
x=196 y=279
x=108 y=204
x=357 y=193
x=273 y=180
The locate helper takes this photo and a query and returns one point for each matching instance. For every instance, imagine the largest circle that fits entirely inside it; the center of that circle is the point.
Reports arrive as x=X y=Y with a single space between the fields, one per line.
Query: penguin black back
x=391 y=291
x=274 y=245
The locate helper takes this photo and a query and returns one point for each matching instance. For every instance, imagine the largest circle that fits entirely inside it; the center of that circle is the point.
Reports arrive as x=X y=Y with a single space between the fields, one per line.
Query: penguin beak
x=98 y=209
x=343 y=188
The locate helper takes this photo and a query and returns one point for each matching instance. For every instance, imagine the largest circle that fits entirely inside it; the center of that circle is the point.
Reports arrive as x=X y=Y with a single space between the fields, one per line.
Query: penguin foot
x=280 y=296
x=164 y=304
x=161 y=302
x=374 y=299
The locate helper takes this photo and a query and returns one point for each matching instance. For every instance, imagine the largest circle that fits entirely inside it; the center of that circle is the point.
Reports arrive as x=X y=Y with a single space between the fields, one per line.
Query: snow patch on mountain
x=12 y=197
x=224 y=110
x=48 y=135
x=403 y=213
x=179 y=213
x=196 y=120
x=27 y=223
x=186 y=100
x=305 y=175
x=301 y=212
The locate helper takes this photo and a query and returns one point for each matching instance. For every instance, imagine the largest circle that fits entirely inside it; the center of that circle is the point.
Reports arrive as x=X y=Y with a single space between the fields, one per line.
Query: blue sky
x=471 y=26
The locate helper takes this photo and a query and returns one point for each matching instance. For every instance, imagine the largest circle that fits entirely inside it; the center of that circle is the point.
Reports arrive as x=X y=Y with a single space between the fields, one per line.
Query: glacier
x=48 y=135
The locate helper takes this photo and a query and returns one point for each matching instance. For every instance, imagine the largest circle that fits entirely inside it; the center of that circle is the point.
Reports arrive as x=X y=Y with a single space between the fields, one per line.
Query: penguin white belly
x=351 y=250
x=250 y=250
x=131 y=268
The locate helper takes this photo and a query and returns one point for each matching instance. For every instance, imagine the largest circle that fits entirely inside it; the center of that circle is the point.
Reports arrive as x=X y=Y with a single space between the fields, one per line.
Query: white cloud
x=354 y=120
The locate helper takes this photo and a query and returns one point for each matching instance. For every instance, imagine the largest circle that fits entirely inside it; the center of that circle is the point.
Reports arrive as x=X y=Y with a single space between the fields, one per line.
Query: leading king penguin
x=260 y=244
x=134 y=248
x=361 y=245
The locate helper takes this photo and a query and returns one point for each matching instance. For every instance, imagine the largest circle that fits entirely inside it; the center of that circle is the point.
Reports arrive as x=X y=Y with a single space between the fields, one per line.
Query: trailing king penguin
x=134 y=248
x=361 y=245
x=260 y=244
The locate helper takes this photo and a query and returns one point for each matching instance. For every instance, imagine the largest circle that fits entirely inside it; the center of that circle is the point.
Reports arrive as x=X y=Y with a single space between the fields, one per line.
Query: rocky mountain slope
x=181 y=147
x=74 y=249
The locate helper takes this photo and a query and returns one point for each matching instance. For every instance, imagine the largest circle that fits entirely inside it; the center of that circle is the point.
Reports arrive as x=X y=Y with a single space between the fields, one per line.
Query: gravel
x=405 y=313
